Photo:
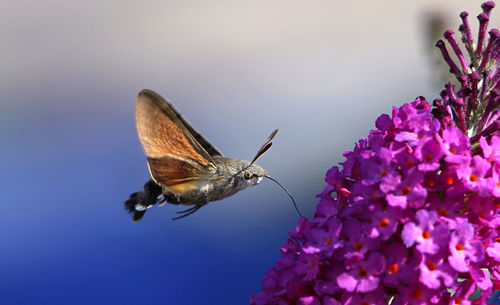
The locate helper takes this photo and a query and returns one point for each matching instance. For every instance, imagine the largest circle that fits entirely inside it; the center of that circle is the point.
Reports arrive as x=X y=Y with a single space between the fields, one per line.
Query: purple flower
x=409 y=191
x=481 y=278
x=435 y=271
x=414 y=210
x=463 y=248
x=493 y=251
x=374 y=170
x=473 y=174
x=428 y=237
x=357 y=238
x=455 y=145
x=362 y=275
x=324 y=240
x=307 y=266
x=416 y=126
x=373 y=297
x=491 y=152
x=429 y=154
x=309 y=300
x=419 y=294
x=384 y=221
x=495 y=177
x=400 y=269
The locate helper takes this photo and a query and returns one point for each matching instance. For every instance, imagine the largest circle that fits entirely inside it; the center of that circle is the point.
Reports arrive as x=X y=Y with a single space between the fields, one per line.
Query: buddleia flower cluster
x=412 y=216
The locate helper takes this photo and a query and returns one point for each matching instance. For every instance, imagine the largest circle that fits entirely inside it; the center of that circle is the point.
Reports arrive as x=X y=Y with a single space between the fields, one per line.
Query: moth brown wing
x=161 y=132
x=173 y=153
x=177 y=175
x=209 y=147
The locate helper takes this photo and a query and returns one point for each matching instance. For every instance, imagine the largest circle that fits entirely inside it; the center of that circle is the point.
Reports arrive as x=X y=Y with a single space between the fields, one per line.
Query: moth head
x=253 y=174
x=253 y=171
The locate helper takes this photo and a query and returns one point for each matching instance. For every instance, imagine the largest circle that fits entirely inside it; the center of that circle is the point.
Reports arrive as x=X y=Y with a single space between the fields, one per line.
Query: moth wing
x=174 y=155
x=179 y=176
x=209 y=147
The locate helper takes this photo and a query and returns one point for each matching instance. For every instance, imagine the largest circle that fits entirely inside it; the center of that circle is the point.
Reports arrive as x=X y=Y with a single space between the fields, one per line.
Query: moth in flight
x=185 y=167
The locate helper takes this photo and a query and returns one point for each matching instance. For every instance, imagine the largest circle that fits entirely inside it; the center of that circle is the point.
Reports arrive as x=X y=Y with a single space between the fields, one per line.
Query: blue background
x=321 y=71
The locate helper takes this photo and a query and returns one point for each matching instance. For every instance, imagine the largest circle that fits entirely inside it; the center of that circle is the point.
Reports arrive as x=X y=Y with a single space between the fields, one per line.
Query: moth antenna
x=293 y=200
x=265 y=146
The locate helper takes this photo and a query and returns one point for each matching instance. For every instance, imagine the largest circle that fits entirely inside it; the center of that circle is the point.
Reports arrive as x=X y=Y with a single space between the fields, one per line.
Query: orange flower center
x=426 y=234
x=431 y=266
x=443 y=212
x=357 y=246
x=393 y=268
x=417 y=293
x=405 y=191
x=362 y=272
x=328 y=242
x=459 y=247
x=383 y=223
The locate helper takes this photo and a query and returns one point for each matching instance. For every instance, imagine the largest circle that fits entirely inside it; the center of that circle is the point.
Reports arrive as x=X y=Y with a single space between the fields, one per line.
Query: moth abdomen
x=140 y=201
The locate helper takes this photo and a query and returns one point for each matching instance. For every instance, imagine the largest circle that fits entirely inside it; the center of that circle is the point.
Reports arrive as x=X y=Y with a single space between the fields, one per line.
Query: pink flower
x=428 y=237
x=414 y=210
x=362 y=275
x=491 y=152
x=435 y=272
x=463 y=248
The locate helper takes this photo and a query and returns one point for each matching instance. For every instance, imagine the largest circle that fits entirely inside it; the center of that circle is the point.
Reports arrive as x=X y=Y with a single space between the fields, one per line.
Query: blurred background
x=321 y=71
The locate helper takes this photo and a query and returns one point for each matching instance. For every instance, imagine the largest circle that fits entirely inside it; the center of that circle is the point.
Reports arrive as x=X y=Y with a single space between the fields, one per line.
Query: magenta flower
x=399 y=266
x=455 y=146
x=362 y=275
x=464 y=249
x=491 y=151
x=427 y=237
x=435 y=271
x=412 y=216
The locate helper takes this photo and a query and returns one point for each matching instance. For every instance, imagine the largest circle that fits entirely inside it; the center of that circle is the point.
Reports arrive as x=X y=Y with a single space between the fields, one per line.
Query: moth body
x=230 y=176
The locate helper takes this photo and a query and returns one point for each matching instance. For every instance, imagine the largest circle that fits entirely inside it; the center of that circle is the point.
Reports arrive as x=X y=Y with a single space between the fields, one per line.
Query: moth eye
x=248 y=175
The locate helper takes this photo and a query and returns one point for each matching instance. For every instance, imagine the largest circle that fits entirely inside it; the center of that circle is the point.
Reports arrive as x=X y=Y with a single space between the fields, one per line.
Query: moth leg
x=187 y=212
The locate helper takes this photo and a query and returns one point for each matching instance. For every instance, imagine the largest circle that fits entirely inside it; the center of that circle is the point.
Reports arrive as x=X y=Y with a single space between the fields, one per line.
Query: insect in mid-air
x=185 y=168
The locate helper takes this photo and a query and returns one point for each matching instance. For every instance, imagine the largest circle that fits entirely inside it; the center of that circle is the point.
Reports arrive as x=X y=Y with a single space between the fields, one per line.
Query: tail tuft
x=139 y=202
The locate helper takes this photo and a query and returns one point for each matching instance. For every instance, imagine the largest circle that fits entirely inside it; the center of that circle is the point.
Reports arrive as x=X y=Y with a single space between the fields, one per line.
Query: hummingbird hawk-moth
x=185 y=167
